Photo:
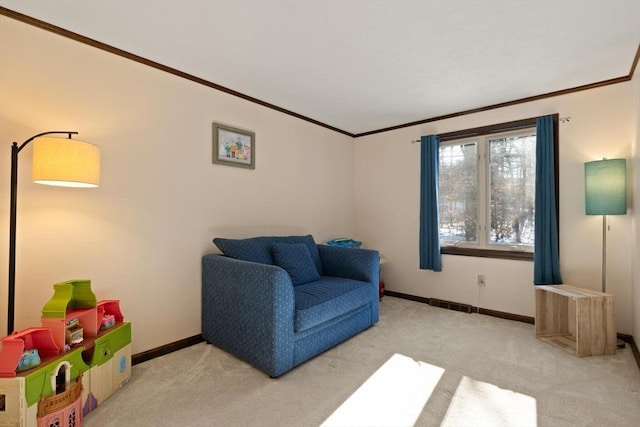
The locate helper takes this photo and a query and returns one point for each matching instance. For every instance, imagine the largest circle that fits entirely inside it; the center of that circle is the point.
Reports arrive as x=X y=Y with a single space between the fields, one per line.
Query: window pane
x=512 y=163
x=458 y=193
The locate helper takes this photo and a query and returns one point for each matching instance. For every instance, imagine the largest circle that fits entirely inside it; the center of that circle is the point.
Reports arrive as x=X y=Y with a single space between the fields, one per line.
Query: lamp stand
x=15 y=150
x=619 y=342
x=604 y=253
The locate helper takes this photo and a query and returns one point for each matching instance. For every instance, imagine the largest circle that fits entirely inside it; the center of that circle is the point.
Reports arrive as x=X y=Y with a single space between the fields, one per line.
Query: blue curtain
x=430 y=258
x=546 y=265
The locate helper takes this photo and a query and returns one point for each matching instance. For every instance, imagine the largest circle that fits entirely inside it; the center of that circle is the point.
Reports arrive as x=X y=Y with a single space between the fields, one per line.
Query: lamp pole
x=15 y=150
x=604 y=253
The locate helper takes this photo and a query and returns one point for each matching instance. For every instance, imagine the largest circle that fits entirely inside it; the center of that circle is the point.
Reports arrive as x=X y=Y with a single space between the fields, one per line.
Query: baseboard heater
x=464 y=308
x=450 y=305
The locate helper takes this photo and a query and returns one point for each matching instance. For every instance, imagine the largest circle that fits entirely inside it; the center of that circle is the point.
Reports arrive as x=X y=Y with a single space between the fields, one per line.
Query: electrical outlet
x=481 y=281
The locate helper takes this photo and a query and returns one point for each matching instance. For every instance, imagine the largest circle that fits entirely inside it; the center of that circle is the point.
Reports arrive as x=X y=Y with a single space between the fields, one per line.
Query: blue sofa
x=276 y=302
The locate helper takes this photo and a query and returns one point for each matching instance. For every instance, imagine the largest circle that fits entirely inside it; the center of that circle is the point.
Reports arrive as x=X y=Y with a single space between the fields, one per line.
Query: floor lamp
x=56 y=161
x=606 y=194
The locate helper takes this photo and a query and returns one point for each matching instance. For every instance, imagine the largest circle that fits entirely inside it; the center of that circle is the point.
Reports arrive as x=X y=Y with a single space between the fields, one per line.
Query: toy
x=30 y=359
x=108 y=321
x=74 y=332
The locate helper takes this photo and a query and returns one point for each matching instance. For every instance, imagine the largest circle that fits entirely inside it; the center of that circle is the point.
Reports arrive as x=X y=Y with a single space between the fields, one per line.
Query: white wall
x=141 y=235
x=387 y=171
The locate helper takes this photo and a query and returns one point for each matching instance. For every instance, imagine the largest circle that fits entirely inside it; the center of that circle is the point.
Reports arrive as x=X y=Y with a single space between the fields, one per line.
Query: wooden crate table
x=580 y=321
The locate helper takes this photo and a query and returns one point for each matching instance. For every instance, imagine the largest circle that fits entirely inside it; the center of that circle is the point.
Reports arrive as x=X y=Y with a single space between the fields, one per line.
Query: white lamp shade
x=65 y=162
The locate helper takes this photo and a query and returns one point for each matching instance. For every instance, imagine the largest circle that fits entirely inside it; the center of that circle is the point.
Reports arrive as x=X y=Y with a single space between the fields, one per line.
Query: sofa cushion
x=296 y=260
x=328 y=298
x=258 y=249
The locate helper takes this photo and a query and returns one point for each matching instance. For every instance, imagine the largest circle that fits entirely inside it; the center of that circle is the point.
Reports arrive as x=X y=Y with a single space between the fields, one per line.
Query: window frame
x=483 y=131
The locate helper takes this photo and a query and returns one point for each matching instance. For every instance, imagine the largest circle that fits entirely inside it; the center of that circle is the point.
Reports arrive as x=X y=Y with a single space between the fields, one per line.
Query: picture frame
x=233 y=146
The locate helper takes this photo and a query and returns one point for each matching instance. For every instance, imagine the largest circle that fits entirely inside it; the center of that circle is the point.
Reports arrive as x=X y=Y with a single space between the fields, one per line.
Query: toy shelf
x=15 y=344
x=83 y=356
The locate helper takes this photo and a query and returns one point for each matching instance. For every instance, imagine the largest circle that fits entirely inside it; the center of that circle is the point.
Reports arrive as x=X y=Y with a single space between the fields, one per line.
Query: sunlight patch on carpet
x=477 y=403
x=393 y=396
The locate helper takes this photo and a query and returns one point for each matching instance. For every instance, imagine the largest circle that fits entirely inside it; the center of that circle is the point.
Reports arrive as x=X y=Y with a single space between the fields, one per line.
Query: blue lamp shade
x=605 y=187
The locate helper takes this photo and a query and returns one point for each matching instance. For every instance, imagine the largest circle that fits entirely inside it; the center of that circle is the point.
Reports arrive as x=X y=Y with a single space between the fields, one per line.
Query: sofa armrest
x=248 y=310
x=350 y=263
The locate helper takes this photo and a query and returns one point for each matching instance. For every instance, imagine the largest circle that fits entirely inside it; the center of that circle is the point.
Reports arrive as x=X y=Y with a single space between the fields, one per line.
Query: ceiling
x=360 y=66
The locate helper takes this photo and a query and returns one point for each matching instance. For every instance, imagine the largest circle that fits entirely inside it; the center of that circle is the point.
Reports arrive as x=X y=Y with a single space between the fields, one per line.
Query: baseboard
x=465 y=308
x=634 y=347
x=508 y=316
x=165 y=349
x=407 y=296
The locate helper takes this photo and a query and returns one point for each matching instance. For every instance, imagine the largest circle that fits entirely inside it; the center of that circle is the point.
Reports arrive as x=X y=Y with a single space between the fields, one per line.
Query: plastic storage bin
x=345 y=243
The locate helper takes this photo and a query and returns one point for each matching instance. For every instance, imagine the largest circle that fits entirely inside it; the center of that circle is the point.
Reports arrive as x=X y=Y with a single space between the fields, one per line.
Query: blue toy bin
x=345 y=243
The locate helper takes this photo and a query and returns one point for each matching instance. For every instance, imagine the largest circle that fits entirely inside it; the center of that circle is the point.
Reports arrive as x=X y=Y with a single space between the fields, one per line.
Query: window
x=487 y=193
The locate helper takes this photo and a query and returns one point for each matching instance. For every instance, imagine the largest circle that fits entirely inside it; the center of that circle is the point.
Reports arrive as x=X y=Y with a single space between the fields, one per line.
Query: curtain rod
x=520 y=124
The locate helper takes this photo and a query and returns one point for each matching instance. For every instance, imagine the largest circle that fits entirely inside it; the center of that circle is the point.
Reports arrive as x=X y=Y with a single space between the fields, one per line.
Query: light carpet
x=419 y=365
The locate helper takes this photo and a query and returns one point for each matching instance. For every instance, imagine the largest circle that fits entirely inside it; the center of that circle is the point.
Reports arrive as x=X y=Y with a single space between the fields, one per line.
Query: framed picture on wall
x=233 y=146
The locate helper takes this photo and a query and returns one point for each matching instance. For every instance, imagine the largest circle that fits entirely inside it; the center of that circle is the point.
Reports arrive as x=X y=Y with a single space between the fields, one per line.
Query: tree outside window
x=487 y=191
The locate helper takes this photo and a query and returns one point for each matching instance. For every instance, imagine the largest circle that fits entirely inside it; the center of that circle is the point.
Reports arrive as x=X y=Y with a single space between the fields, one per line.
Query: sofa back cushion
x=259 y=249
x=296 y=260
